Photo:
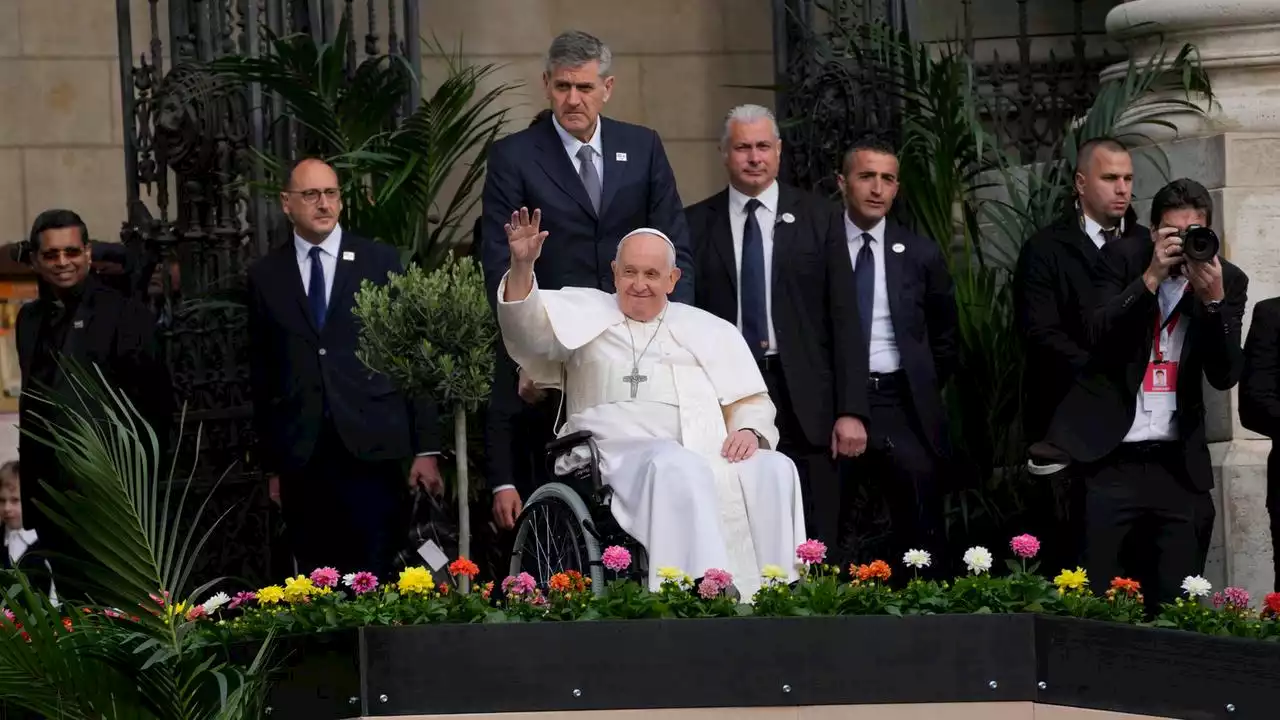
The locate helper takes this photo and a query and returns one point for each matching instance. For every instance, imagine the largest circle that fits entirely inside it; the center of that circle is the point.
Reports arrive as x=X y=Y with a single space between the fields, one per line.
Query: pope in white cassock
x=676 y=404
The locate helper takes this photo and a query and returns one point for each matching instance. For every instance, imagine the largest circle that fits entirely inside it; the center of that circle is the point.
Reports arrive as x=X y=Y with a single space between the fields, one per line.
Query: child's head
x=10 y=496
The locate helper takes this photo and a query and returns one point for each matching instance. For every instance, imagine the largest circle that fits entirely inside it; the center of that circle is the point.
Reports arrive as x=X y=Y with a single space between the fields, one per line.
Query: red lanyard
x=1171 y=323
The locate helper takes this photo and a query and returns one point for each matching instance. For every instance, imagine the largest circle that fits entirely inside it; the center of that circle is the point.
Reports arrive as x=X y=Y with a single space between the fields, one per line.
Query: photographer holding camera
x=1174 y=307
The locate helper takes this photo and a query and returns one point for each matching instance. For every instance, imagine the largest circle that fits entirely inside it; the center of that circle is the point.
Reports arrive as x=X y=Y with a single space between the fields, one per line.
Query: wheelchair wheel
x=552 y=536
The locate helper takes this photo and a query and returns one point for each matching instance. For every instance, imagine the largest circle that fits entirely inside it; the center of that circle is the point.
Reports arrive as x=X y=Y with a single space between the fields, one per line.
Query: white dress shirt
x=1163 y=424
x=1094 y=231
x=766 y=218
x=572 y=145
x=328 y=261
x=884 y=345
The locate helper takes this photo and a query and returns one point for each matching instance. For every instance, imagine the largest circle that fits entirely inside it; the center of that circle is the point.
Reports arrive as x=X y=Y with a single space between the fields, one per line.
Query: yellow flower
x=178 y=609
x=270 y=595
x=773 y=572
x=670 y=574
x=1071 y=580
x=298 y=589
x=415 y=581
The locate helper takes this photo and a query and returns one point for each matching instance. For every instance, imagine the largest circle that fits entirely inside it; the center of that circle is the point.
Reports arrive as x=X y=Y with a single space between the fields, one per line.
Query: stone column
x=1235 y=152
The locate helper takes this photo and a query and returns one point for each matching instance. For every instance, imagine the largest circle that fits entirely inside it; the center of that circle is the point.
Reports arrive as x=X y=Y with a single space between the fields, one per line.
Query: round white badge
x=788 y=218
x=899 y=248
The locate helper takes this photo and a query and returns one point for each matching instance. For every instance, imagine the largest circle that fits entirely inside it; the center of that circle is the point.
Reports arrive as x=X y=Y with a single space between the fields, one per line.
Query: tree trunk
x=464 y=489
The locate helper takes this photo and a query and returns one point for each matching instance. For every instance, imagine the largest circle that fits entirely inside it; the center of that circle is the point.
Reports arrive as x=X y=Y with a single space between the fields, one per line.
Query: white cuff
x=428 y=453
x=500 y=488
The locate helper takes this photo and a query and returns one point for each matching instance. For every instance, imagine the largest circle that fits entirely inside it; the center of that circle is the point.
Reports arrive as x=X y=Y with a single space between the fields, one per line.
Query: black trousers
x=819 y=482
x=344 y=512
x=902 y=467
x=1144 y=520
x=1273 y=509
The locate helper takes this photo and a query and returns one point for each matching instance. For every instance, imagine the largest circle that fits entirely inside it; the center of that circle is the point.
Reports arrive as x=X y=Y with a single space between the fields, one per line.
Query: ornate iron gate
x=827 y=97
x=190 y=157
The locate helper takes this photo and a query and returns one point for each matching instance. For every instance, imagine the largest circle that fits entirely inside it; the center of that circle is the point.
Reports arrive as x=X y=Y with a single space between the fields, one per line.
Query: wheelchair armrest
x=568 y=442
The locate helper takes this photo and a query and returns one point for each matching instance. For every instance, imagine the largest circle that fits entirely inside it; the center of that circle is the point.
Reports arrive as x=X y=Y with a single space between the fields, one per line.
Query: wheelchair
x=567 y=523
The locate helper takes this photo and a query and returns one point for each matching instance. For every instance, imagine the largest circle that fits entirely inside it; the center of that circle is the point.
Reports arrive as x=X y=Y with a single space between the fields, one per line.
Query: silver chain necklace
x=635 y=378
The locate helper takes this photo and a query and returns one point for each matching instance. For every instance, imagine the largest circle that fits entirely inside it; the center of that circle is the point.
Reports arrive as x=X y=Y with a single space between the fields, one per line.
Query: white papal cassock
x=660 y=448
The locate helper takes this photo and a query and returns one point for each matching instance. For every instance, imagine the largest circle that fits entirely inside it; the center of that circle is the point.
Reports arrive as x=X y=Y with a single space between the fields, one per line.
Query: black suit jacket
x=922 y=304
x=809 y=319
x=1053 y=297
x=1260 y=386
x=297 y=371
x=531 y=169
x=1098 y=411
x=111 y=331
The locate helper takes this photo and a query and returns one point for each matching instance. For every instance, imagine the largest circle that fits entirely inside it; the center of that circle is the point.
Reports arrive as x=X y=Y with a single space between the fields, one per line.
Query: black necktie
x=755 y=323
x=1111 y=235
x=316 y=290
x=864 y=283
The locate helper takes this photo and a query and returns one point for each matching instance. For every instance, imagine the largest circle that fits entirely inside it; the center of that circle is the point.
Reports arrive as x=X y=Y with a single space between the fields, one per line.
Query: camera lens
x=1200 y=243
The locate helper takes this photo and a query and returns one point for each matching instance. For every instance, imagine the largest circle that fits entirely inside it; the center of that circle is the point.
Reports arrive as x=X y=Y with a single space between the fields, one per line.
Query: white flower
x=348 y=579
x=1196 y=586
x=216 y=602
x=917 y=559
x=977 y=559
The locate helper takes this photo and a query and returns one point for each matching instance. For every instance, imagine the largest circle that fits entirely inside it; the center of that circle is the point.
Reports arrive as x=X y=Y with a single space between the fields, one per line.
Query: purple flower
x=241 y=598
x=361 y=582
x=616 y=558
x=325 y=577
x=1025 y=546
x=714 y=582
x=811 y=552
x=1234 y=596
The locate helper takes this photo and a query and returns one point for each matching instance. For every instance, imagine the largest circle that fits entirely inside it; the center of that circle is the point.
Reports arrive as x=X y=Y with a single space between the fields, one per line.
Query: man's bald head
x=645 y=273
x=1087 y=151
x=1104 y=180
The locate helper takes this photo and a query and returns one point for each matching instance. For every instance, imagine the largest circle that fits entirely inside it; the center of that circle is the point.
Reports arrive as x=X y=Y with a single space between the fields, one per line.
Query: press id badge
x=1160 y=387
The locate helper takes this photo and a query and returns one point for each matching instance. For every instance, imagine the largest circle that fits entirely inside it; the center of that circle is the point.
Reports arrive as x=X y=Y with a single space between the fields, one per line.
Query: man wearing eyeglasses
x=334 y=437
x=77 y=319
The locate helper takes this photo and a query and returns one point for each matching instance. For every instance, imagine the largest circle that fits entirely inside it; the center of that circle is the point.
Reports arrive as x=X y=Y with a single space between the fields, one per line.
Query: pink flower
x=8 y=615
x=1025 y=546
x=242 y=598
x=522 y=584
x=325 y=577
x=811 y=552
x=714 y=582
x=196 y=612
x=1232 y=596
x=616 y=558
x=363 y=582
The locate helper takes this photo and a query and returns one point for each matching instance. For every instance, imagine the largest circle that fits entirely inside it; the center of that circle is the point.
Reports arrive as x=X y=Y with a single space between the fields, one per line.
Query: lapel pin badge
x=620 y=157
x=348 y=256
x=788 y=218
x=78 y=324
x=899 y=248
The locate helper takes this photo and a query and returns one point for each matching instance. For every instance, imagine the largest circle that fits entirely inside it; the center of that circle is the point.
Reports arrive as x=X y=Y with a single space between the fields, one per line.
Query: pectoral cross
x=634 y=380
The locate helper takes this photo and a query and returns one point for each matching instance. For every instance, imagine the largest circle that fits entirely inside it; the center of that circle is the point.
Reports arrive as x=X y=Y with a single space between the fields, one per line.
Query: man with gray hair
x=592 y=178
x=674 y=401
x=763 y=252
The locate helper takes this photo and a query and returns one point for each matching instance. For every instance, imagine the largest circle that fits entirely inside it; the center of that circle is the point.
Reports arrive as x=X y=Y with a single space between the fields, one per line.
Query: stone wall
x=60 y=127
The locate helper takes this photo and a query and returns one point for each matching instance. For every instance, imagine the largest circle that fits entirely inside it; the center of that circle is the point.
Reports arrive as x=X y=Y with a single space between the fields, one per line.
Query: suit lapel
x=73 y=345
x=783 y=237
x=28 y=333
x=345 y=272
x=721 y=238
x=290 y=277
x=555 y=162
x=893 y=272
x=614 y=169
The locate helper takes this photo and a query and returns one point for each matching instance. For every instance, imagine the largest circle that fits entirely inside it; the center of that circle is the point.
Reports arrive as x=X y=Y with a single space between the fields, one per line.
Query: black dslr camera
x=1200 y=243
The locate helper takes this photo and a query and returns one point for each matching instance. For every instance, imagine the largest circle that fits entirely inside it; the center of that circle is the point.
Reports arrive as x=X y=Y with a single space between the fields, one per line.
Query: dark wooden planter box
x=440 y=669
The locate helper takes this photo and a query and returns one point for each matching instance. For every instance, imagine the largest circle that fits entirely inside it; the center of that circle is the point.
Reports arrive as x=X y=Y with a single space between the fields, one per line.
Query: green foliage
x=97 y=661
x=394 y=170
x=431 y=332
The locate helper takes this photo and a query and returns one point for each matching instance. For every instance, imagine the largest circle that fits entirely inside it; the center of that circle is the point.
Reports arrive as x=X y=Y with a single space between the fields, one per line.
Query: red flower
x=443 y=588
x=66 y=623
x=1271 y=605
x=1126 y=586
x=463 y=566
x=560 y=583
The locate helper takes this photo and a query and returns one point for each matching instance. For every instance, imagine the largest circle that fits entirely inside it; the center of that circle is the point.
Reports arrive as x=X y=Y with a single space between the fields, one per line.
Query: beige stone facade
x=60 y=127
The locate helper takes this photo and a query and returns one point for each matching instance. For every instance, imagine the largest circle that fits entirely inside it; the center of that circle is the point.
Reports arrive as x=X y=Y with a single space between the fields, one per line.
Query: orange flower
x=66 y=623
x=560 y=582
x=443 y=588
x=463 y=566
x=876 y=570
x=1126 y=586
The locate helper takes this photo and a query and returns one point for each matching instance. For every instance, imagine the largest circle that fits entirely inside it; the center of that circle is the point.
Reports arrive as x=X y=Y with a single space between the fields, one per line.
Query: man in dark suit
x=1139 y=449
x=334 y=435
x=1053 y=286
x=763 y=253
x=78 y=320
x=907 y=320
x=594 y=179
x=1260 y=403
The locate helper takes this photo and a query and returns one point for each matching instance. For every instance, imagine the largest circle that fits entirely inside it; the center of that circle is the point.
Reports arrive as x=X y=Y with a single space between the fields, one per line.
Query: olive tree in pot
x=432 y=333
